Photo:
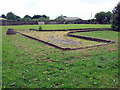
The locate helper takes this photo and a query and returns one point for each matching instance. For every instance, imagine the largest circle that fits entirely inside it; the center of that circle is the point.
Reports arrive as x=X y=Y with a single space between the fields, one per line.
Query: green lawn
x=61 y=26
x=27 y=63
x=100 y=34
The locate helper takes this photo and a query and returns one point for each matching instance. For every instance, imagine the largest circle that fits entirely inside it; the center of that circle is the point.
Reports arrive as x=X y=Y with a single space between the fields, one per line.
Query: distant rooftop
x=71 y=18
x=2 y=18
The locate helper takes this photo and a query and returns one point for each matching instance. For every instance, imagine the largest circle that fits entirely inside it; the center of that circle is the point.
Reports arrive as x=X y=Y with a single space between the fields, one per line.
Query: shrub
x=40 y=28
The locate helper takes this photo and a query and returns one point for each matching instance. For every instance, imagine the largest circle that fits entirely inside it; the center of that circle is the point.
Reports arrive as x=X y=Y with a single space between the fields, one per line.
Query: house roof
x=2 y=18
x=71 y=18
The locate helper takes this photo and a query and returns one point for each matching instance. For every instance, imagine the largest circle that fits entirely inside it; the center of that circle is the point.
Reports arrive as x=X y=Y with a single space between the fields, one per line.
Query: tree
x=60 y=18
x=103 y=17
x=108 y=16
x=46 y=17
x=78 y=21
x=27 y=18
x=40 y=16
x=11 y=16
x=3 y=16
x=42 y=19
x=36 y=16
x=18 y=18
x=100 y=17
x=116 y=18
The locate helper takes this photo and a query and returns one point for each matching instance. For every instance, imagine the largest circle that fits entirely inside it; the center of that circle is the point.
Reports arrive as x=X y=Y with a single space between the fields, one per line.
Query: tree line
x=100 y=18
x=10 y=16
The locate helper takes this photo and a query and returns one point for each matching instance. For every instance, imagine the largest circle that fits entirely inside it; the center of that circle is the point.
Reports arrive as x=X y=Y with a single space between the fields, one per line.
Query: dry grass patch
x=60 y=38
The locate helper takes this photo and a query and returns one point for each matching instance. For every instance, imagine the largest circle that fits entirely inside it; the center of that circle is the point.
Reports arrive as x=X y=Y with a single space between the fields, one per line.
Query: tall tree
x=100 y=17
x=11 y=16
x=116 y=18
x=103 y=17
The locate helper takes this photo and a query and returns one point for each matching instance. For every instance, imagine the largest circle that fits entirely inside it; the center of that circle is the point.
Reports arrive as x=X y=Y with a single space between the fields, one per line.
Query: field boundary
x=75 y=36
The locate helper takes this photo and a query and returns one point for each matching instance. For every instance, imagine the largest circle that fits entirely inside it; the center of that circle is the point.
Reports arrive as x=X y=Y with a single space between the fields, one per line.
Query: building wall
x=41 y=23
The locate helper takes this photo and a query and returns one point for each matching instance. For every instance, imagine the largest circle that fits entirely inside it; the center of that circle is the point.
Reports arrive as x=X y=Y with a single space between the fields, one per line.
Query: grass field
x=60 y=26
x=99 y=34
x=27 y=63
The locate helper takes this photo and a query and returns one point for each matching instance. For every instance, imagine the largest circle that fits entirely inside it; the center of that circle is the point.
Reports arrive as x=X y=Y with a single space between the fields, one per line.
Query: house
x=71 y=18
x=41 y=23
x=2 y=18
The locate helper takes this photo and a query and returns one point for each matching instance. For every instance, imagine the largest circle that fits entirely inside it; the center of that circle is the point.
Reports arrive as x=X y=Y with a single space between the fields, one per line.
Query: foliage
x=25 y=19
x=78 y=21
x=116 y=18
x=46 y=17
x=18 y=18
x=40 y=28
x=36 y=16
x=12 y=16
x=103 y=17
x=3 y=16
x=60 y=18
x=43 y=19
x=27 y=16
x=39 y=16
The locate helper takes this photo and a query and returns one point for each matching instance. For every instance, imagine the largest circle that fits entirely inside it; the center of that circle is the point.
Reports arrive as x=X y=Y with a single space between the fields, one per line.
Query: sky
x=84 y=9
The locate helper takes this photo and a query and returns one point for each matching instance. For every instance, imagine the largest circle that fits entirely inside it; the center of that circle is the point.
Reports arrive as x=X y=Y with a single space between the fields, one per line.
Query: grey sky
x=54 y=8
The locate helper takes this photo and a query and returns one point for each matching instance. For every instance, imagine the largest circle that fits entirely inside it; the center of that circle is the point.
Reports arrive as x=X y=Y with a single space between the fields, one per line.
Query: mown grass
x=30 y=64
x=100 y=34
x=61 y=26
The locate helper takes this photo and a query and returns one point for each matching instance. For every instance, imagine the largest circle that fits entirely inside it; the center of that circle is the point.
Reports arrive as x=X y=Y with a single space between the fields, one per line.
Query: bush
x=40 y=28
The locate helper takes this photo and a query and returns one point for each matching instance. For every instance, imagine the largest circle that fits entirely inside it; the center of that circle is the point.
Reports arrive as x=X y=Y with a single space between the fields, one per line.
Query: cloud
x=54 y=8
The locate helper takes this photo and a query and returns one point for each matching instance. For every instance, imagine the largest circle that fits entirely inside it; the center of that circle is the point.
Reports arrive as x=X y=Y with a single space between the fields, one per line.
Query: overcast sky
x=54 y=8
